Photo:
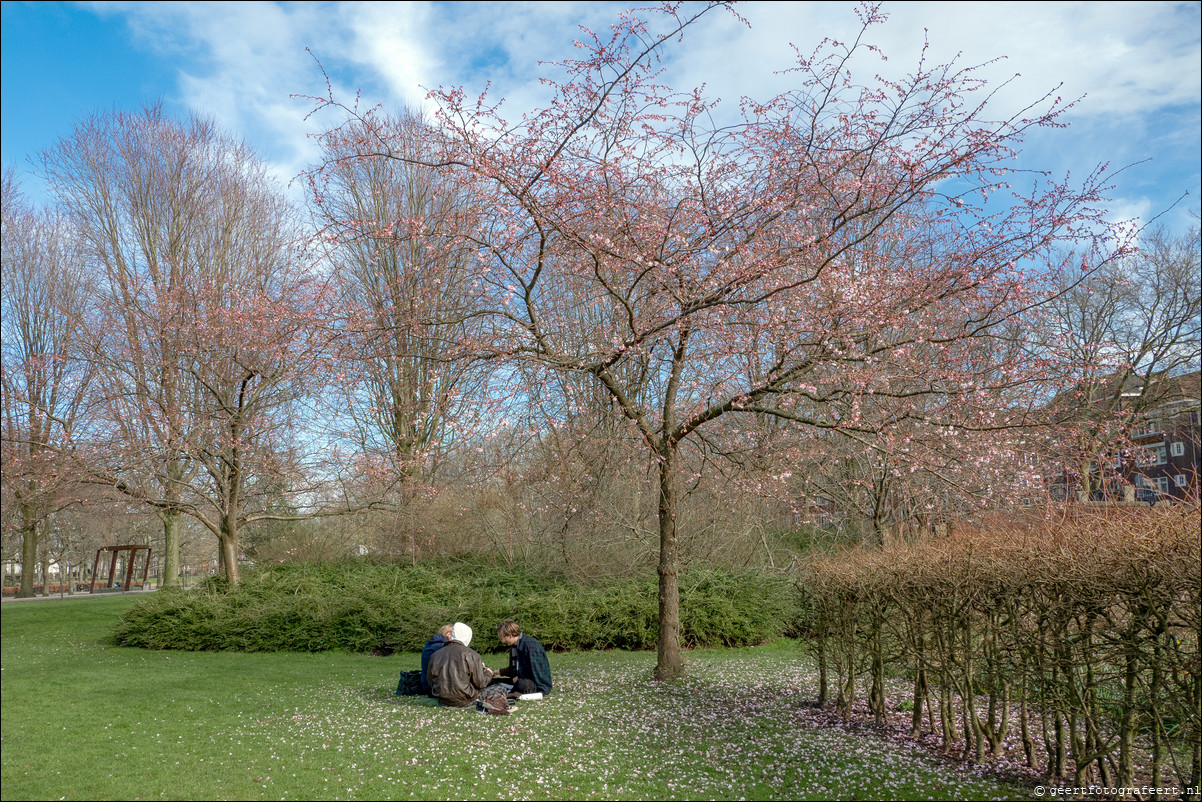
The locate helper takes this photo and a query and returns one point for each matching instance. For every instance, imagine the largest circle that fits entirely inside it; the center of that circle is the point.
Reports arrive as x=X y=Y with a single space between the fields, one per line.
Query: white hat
x=462 y=633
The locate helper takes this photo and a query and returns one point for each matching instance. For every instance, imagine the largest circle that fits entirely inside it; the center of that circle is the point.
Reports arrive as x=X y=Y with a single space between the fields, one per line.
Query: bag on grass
x=410 y=684
x=493 y=700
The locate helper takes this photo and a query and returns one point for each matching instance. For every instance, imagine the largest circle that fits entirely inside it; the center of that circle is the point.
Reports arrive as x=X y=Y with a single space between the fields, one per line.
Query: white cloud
x=391 y=40
x=240 y=62
x=1131 y=213
x=1127 y=58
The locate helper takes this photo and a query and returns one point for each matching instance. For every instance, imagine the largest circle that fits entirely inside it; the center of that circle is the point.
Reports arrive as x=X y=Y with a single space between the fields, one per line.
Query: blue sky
x=1137 y=68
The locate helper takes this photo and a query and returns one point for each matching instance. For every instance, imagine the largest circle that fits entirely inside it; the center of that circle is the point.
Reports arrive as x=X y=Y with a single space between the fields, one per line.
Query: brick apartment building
x=1167 y=435
x=1162 y=462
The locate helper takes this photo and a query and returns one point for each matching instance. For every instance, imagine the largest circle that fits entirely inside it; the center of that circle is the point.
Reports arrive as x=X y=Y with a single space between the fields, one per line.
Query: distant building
x=1162 y=460
x=1165 y=464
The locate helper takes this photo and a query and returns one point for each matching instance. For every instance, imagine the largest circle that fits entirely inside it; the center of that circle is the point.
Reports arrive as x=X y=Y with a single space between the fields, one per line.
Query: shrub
x=379 y=607
x=989 y=617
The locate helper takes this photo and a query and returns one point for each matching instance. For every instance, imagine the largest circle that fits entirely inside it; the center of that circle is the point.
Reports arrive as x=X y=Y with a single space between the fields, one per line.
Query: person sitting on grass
x=457 y=672
x=527 y=660
x=436 y=642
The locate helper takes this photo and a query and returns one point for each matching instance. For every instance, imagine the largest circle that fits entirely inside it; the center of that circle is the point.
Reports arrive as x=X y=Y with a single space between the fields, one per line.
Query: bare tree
x=204 y=312
x=410 y=385
x=44 y=385
x=256 y=348
x=1123 y=330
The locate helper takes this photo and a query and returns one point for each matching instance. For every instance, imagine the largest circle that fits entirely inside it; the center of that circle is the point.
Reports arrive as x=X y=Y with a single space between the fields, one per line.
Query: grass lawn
x=82 y=719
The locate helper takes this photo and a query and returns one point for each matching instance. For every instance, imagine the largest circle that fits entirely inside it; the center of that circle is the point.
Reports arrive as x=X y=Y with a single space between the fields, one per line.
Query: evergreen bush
x=370 y=606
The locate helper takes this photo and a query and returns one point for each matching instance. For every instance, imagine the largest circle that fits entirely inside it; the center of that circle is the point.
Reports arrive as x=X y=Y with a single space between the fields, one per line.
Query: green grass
x=83 y=719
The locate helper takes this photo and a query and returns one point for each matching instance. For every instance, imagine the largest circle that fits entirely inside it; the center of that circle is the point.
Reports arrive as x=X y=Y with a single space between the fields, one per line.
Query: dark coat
x=457 y=675
x=528 y=660
x=434 y=644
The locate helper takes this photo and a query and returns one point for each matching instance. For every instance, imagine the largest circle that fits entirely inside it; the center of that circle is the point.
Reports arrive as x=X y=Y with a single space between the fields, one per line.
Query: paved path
x=76 y=595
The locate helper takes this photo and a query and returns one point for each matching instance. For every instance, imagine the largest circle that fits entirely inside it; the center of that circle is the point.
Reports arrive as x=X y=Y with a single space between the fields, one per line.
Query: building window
x=1161 y=454
x=1162 y=484
x=1179 y=480
x=1177 y=449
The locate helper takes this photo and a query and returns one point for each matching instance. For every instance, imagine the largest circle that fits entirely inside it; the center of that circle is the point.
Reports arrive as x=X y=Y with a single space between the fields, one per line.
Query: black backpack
x=410 y=684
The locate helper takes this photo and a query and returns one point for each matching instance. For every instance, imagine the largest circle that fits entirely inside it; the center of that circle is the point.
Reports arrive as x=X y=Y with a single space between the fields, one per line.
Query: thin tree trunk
x=823 y=687
x=1126 y=772
x=876 y=696
x=847 y=688
x=1195 y=737
x=670 y=664
x=1024 y=722
x=920 y=683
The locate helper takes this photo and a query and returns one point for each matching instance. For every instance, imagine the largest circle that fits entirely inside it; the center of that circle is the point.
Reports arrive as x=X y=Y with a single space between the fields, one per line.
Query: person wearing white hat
x=457 y=672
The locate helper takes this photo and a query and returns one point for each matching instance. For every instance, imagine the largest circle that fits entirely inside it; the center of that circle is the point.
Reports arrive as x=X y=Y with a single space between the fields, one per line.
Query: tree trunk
x=1024 y=723
x=920 y=698
x=876 y=694
x=670 y=664
x=847 y=685
x=29 y=557
x=823 y=680
x=1195 y=737
x=1157 y=721
x=1128 y=716
x=229 y=550
x=170 y=519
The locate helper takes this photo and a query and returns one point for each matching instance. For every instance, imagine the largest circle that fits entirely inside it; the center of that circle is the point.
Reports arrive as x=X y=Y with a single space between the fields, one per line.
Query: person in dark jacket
x=439 y=639
x=457 y=672
x=528 y=663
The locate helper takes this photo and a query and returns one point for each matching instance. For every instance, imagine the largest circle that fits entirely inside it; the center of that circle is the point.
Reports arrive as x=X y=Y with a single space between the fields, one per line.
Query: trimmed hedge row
x=381 y=608
x=1074 y=632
